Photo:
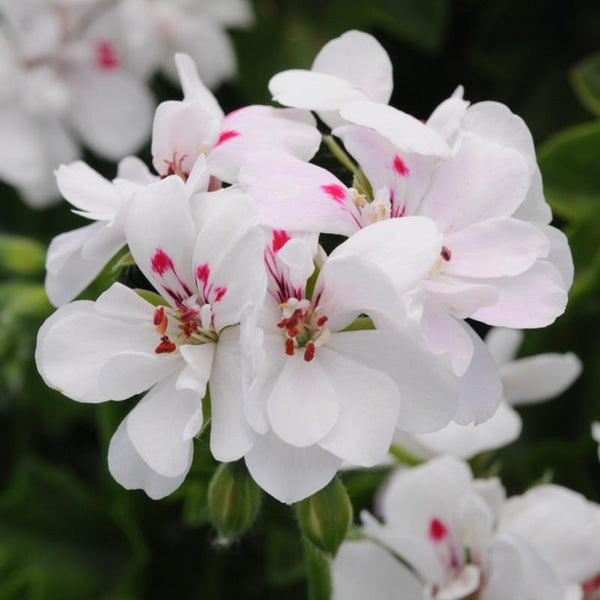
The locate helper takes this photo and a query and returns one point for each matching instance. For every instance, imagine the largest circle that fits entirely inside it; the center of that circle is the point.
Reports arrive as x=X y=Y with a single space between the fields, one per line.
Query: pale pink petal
x=538 y=378
x=406 y=176
x=447 y=117
x=303 y=406
x=407 y=133
x=534 y=207
x=230 y=435
x=480 y=388
x=294 y=195
x=128 y=468
x=363 y=569
x=256 y=129
x=533 y=299
x=288 y=473
x=369 y=408
x=461 y=298
x=159 y=427
x=161 y=236
x=494 y=248
x=444 y=334
x=428 y=392
x=503 y=344
x=482 y=181
x=560 y=253
x=112 y=112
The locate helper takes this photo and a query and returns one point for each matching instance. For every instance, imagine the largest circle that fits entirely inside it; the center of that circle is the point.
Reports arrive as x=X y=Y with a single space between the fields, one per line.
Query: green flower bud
x=233 y=500
x=326 y=516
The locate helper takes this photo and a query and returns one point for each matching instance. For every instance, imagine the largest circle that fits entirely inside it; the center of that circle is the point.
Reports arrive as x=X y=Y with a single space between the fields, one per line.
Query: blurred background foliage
x=68 y=531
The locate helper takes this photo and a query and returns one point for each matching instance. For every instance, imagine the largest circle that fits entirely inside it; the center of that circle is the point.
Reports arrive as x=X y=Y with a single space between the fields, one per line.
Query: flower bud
x=326 y=516
x=233 y=500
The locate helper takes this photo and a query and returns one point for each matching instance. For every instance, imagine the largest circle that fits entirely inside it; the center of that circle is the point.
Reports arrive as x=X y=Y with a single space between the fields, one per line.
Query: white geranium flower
x=525 y=381
x=209 y=274
x=63 y=77
x=442 y=524
x=351 y=67
x=321 y=393
x=564 y=528
x=196 y=125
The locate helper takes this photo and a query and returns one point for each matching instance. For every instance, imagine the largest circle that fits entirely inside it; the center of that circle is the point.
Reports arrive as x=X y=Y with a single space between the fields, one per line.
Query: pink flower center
x=304 y=328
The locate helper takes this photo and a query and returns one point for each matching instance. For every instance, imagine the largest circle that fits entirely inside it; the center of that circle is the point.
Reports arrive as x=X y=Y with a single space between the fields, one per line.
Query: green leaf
x=152 y=297
x=585 y=79
x=569 y=165
x=317 y=572
x=21 y=256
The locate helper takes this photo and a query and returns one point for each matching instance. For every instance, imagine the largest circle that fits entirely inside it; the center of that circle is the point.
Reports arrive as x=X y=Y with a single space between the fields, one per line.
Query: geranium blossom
x=196 y=125
x=209 y=275
x=444 y=525
x=321 y=393
x=525 y=381
x=59 y=76
x=564 y=528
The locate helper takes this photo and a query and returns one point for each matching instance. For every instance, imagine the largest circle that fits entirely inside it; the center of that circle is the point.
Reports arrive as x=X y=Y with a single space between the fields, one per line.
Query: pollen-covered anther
x=446 y=253
x=309 y=351
x=289 y=346
x=166 y=346
x=160 y=320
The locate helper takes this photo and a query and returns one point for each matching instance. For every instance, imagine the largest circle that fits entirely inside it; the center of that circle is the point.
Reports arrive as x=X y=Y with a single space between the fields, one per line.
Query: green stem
x=404 y=456
x=317 y=572
x=340 y=155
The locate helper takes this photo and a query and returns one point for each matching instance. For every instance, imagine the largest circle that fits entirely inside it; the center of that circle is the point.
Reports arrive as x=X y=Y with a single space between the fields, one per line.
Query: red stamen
x=159 y=315
x=166 y=346
x=289 y=347
x=309 y=351
x=188 y=328
x=322 y=320
x=446 y=253
x=292 y=331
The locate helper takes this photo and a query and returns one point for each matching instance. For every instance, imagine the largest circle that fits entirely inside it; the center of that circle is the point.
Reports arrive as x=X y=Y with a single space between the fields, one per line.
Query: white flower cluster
x=305 y=360
x=446 y=536
x=75 y=71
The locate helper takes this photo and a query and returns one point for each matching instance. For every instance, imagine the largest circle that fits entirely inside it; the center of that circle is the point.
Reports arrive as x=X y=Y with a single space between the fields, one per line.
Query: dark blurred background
x=68 y=531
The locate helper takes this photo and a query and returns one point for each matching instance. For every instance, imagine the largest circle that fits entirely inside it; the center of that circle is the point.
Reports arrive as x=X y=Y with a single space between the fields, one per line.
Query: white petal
x=460 y=297
x=229 y=249
x=128 y=468
x=482 y=181
x=133 y=169
x=161 y=236
x=405 y=249
x=200 y=361
x=75 y=343
x=465 y=441
x=288 y=473
x=363 y=569
x=428 y=392
x=303 y=405
x=359 y=58
x=560 y=253
x=113 y=113
x=533 y=299
x=412 y=498
x=230 y=435
x=404 y=131
x=122 y=302
x=158 y=427
x=480 y=388
x=494 y=248
x=313 y=91
x=448 y=116
x=296 y=254
x=128 y=373
x=539 y=378
x=68 y=271
x=256 y=129
x=88 y=191
x=369 y=407
x=463 y=585
x=192 y=86
x=535 y=208
x=298 y=196
x=503 y=344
